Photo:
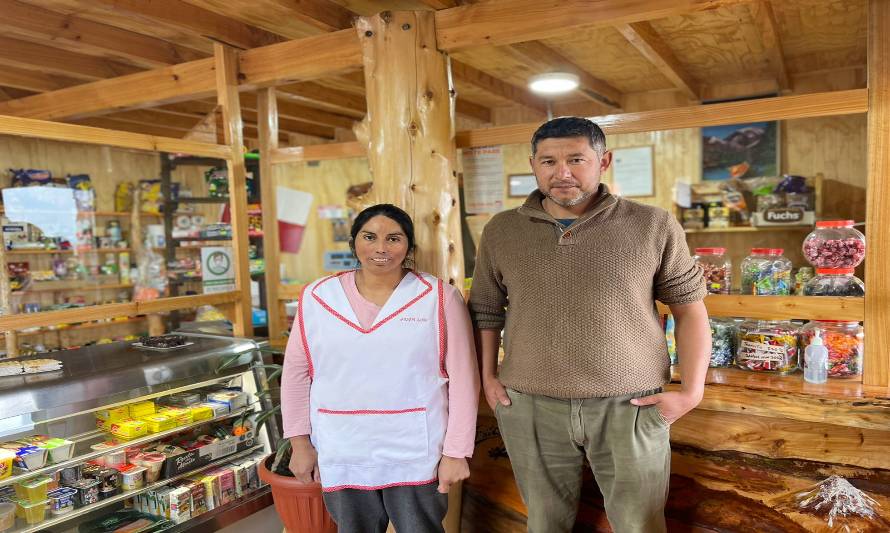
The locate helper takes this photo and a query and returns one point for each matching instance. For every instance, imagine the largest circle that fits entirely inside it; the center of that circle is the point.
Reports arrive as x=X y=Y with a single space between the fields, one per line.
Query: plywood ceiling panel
x=717 y=46
x=822 y=35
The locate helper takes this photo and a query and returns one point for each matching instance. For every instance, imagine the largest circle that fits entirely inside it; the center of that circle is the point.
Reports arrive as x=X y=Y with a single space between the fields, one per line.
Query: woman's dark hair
x=390 y=211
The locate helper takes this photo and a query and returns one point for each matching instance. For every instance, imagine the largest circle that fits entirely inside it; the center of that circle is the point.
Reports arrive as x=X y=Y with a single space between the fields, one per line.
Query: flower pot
x=300 y=506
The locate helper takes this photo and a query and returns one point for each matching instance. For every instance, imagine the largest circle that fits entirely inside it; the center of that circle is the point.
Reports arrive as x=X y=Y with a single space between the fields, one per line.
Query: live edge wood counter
x=739 y=458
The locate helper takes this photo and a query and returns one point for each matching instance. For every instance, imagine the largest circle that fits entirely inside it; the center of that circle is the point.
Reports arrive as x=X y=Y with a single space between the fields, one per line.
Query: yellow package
x=201 y=412
x=140 y=409
x=158 y=422
x=180 y=416
x=104 y=417
x=129 y=429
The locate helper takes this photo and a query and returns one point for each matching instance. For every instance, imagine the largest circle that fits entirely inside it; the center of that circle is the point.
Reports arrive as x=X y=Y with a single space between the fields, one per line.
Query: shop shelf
x=84 y=441
x=783 y=307
x=750 y=229
x=202 y=200
x=54 y=520
x=53 y=286
x=90 y=251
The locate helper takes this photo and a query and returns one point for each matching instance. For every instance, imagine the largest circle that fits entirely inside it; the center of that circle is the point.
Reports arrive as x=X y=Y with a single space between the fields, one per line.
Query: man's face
x=568 y=170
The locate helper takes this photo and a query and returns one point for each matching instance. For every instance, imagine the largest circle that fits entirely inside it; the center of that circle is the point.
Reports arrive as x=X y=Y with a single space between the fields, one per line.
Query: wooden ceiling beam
x=496 y=87
x=513 y=21
x=289 y=18
x=549 y=59
x=643 y=37
x=31 y=80
x=765 y=20
x=293 y=110
x=47 y=59
x=440 y=4
x=338 y=101
x=158 y=117
x=472 y=110
x=195 y=20
x=123 y=125
x=88 y=37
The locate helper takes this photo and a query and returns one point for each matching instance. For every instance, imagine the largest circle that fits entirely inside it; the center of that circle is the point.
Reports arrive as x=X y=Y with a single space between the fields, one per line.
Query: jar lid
x=760 y=251
x=834 y=223
x=835 y=271
x=776 y=251
x=711 y=251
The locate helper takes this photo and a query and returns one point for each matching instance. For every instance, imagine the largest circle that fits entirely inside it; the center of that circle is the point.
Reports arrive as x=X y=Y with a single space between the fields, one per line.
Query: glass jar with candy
x=834 y=282
x=767 y=346
x=766 y=272
x=844 y=341
x=834 y=244
x=723 y=341
x=717 y=269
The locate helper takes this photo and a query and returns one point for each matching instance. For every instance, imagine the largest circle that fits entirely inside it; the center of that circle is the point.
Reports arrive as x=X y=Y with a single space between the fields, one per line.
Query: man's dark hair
x=390 y=211
x=562 y=127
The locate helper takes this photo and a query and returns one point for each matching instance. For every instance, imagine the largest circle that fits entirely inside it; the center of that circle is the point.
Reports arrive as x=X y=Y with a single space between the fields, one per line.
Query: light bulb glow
x=553 y=83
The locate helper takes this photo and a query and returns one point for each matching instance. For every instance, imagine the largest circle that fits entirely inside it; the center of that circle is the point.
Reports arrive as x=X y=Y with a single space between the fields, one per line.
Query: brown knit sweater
x=581 y=320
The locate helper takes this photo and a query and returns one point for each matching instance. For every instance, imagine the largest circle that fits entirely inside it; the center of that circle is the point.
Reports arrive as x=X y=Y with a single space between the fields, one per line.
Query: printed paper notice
x=483 y=179
x=632 y=171
x=217 y=269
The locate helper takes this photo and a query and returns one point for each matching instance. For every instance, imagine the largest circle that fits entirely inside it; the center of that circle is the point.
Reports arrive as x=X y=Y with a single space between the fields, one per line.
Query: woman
x=380 y=385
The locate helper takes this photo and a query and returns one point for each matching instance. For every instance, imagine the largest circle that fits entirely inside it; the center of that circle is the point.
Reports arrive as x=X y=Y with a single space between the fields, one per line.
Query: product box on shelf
x=189 y=460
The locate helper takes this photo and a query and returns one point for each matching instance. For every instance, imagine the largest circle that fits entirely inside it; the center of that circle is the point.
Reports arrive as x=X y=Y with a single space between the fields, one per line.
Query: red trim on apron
x=373 y=411
x=379 y=487
x=443 y=330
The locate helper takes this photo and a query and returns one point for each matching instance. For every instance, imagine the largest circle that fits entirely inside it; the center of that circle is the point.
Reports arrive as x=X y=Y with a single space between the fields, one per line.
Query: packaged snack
x=31 y=512
x=180 y=504
x=30 y=457
x=132 y=477
x=7 y=515
x=61 y=500
x=104 y=417
x=180 y=416
x=59 y=450
x=6 y=458
x=109 y=483
x=181 y=399
x=140 y=409
x=71 y=475
x=158 y=422
x=129 y=429
x=84 y=195
x=201 y=412
x=152 y=463
x=123 y=196
x=32 y=489
x=233 y=399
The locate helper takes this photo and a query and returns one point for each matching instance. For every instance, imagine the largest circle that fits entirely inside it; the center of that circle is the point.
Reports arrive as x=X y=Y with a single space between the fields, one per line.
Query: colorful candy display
x=767 y=346
x=716 y=268
x=834 y=244
x=723 y=341
x=766 y=272
x=844 y=341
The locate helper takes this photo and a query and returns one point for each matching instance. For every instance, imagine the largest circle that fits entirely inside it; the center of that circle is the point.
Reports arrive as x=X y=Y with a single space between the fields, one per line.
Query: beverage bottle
x=815 y=360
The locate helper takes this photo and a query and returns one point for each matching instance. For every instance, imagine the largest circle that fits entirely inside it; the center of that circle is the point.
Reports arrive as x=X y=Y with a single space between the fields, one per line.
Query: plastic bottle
x=815 y=368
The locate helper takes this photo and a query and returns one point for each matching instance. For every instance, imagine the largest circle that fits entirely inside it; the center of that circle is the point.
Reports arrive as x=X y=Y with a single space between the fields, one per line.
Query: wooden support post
x=411 y=134
x=411 y=144
x=877 y=232
x=226 y=61
x=267 y=121
x=12 y=340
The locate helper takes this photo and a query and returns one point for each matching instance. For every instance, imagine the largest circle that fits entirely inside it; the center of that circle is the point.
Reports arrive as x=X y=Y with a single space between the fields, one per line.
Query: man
x=571 y=277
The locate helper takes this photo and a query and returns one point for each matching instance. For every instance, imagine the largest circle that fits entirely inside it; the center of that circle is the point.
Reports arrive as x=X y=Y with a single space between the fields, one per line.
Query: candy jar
x=844 y=341
x=801 y=277
x=767 y=346
x=717 y=269
x=766 y=272
x=723 y=341
x=834 y=244
x=834 y=282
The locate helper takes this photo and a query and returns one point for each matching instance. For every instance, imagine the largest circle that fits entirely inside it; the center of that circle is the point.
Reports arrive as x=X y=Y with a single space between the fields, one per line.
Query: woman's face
x=381 y=245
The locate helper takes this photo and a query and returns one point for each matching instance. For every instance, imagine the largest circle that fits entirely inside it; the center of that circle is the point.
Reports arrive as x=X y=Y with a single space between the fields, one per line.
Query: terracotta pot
x=300 y=506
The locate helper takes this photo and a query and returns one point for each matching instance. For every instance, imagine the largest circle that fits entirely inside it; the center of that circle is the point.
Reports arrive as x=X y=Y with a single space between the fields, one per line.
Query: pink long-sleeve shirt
x=460 y=363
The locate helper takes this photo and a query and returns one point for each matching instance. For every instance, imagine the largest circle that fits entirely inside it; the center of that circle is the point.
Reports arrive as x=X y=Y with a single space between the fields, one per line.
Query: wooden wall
x=328 y=182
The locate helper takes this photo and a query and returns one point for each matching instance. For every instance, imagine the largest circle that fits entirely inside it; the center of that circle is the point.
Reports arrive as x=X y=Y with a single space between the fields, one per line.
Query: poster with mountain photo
x=740 y=150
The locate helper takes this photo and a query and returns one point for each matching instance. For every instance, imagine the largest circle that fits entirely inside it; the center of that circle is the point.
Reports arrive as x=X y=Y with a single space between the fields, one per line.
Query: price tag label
x=224 y=448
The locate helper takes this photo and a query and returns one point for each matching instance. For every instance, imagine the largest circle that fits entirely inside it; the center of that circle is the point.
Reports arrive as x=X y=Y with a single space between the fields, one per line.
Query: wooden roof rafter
x=548 y=59
x=765 y=20
x=646 y=40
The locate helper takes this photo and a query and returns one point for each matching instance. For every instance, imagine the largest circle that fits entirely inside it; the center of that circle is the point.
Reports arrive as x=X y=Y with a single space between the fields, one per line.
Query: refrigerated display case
x=94 y=413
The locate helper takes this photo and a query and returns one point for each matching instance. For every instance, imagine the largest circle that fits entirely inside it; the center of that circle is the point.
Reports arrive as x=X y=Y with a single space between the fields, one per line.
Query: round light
x=553 y=83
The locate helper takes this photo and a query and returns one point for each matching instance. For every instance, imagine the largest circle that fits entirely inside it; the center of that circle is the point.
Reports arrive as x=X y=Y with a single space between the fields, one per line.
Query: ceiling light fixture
x=553 y=83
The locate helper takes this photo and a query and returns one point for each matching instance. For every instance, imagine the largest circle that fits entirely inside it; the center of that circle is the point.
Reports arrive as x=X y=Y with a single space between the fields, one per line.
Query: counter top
x=117 y=372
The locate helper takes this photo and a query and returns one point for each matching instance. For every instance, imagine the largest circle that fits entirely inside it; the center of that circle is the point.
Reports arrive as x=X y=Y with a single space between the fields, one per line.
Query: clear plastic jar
x=803 y=275
x=834 y=282
x=844 y=341
x=834 y=244
x=717 y=269
x=767 y=346
x=724 y=332
x=766 y=272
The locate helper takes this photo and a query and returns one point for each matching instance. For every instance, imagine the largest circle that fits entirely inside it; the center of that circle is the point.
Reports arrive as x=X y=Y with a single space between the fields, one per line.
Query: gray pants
x=419 y=509
x=628 y=448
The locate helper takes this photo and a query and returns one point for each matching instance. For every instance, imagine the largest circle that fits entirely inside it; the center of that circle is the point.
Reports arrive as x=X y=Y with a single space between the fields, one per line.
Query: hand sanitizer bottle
x=815 y=360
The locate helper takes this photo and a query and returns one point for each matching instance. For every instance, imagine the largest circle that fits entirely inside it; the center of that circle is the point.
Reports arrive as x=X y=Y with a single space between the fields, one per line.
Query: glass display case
x=123 y=434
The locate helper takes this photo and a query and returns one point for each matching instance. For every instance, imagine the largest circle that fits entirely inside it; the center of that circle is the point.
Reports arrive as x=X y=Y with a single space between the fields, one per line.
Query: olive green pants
x=628 y=448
